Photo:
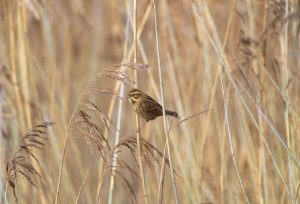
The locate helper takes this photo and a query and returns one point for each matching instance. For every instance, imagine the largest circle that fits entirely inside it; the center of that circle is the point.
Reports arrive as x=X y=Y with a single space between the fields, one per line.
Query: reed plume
x=20 y=163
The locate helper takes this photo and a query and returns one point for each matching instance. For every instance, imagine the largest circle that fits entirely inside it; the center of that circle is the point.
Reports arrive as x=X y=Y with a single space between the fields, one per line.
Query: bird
x=145 y=106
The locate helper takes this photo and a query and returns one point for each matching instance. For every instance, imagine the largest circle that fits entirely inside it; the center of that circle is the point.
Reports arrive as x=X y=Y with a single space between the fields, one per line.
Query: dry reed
x=20 y=163
x=238 y=59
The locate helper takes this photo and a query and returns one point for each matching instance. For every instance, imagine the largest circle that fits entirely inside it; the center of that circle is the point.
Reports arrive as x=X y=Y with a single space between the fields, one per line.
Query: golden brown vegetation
x=20 y=163
x=229 y=68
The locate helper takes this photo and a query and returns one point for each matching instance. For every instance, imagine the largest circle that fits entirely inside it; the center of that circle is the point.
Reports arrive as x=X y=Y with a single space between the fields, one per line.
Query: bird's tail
x=172 y=113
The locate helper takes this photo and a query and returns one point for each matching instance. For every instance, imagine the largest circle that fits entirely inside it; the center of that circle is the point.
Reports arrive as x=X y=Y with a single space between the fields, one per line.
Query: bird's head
x=133 y=95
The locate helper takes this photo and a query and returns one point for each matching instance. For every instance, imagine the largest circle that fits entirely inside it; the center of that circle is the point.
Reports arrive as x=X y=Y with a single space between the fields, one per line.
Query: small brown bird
x=145 y=106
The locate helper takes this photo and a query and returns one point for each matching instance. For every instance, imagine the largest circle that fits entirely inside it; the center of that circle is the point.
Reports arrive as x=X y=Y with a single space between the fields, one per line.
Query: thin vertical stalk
x=22 y=58
x=5 y=195
x=285 y=44
x=252 y=29
x=264 y=198
x=230 y=138
x=163 y=104
x=2 y=148
x=13 y=64
x=119 y=117
x=62 y=159
x=65 y=144
x=117 y=140
x=161 y=179
x=82 y=185
x=221 y=63
x=137 y=121
x=128 y=53
x=223 y=163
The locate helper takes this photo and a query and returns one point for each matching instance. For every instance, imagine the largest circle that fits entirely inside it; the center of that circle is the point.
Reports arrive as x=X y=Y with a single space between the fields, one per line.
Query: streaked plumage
x=145 y=106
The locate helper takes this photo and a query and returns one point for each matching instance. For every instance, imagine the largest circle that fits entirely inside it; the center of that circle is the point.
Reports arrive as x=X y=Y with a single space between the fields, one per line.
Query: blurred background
x=238 y=59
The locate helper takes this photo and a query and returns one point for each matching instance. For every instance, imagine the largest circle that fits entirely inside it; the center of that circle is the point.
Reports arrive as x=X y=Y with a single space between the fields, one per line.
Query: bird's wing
x=152 y=105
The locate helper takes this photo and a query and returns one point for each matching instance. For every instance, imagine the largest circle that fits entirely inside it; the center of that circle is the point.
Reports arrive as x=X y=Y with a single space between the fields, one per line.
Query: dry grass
x=20 y=161
x=230 y=69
